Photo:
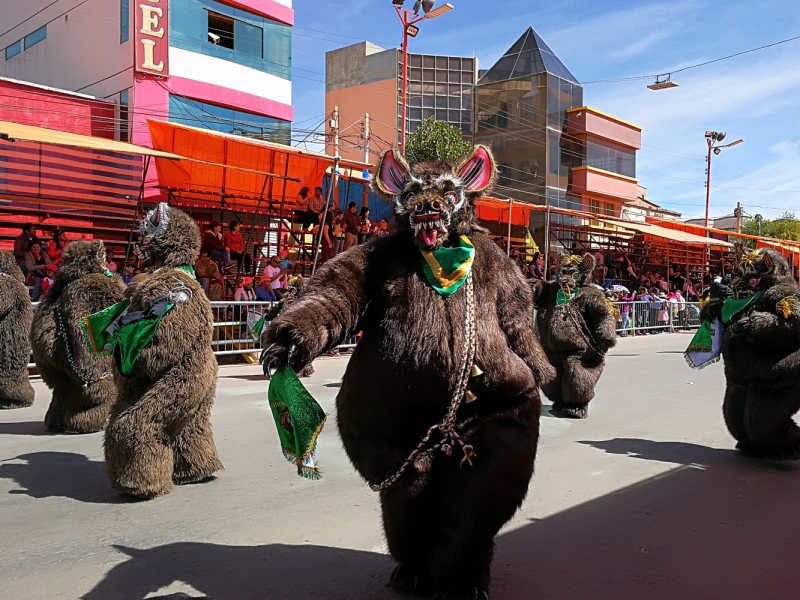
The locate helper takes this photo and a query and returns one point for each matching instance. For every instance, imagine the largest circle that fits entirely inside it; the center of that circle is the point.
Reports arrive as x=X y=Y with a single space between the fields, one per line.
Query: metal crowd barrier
x=656 y=315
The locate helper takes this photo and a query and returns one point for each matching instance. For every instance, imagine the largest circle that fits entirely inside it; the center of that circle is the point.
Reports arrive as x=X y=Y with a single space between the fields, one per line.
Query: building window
x=14 y=49
x=227 y=120
x=608 y=209
x=34 y=38
x=594 y=206
x=235 y=35
x=124 y=16
x=124 y=135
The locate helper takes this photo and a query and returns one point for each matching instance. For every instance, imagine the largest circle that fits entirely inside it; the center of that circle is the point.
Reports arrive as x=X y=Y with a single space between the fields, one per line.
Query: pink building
x=224 y=66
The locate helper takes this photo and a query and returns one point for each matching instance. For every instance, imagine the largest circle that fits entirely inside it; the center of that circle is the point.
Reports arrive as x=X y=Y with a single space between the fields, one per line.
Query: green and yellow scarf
x=447 y=268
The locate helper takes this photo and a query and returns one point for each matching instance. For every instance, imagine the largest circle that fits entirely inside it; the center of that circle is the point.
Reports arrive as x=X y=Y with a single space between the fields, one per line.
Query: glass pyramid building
x=520 y=112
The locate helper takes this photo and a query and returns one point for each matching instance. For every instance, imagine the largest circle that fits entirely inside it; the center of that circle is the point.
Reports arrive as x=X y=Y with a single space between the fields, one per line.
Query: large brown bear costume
x=575 y=334
x=82 y=382
x=16 y=315
x=440 y=516
x=761 y=350
x=159 y=431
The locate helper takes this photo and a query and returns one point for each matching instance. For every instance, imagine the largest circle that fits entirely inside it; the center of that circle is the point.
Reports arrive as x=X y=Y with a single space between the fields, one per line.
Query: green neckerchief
x=109 y=273
x=733 y=307
x=562 y=297
x=299 y=420
x=115 y=331
x=189 y=269
x=447 y=268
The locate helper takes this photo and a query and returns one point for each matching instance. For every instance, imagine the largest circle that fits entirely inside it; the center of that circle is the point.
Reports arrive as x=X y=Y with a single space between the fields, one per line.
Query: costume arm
x=600 y=319
x=516 y=321
x=327 y=313
x=540 y=291
x=768 y=329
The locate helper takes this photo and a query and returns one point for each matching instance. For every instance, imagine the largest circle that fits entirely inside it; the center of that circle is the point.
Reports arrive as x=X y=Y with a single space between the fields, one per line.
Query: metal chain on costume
x=62 y=333
x=450 y=436
x=586 y=333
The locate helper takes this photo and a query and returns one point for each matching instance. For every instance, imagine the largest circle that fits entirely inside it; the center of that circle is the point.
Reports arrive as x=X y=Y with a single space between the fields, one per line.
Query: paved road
x=644 y=500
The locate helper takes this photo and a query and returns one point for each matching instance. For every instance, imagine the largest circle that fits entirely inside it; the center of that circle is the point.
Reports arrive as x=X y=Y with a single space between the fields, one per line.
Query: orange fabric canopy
x=237 y=167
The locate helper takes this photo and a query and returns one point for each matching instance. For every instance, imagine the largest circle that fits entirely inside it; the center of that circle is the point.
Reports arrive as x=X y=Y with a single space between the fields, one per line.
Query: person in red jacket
x=235 y=244
x=215 y=246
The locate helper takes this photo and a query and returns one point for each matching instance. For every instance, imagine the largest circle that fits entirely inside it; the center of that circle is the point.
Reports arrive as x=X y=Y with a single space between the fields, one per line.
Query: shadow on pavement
x=248 y=572
x=24 y=428
x=62 y=474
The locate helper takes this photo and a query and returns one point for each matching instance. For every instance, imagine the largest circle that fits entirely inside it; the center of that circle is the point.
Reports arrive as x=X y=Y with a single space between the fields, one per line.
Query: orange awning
x=237 y=167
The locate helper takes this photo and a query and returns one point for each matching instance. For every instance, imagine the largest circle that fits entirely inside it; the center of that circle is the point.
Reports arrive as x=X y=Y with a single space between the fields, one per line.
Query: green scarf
x=706 y=345
x=447 y=268
x=115 y=331
x=258 y=328
x=189 y=269
x=562 y=297
x=299 y=420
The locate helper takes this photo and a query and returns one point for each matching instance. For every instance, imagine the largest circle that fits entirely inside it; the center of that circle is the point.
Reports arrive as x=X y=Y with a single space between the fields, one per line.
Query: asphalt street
x=646 y=499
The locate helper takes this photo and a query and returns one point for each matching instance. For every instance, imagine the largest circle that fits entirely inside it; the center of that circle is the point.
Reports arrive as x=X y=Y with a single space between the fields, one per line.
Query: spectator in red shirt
x=57 y=245
x=235 y=244
x=352 y=224
x=215 y=246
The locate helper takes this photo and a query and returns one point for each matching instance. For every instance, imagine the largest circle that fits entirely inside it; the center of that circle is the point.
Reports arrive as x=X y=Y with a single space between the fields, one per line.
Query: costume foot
x=476 y=593
x=405 y=579
x=571 y=411
x=790 y=454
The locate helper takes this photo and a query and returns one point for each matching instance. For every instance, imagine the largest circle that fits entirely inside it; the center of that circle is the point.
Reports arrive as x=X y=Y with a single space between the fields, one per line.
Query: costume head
x=434 y=198
x=574 y=271
x=80 y=258
x=9 y=266
x=169 y=236
x=758 y=270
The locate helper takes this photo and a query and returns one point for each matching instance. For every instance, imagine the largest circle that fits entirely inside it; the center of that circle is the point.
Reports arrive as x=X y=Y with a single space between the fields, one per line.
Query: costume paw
x=476 y=593
x=570 y=411
x=405 y=579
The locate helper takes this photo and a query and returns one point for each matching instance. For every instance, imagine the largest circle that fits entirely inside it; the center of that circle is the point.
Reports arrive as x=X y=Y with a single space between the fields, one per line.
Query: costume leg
x=62 y=388
x=552 y=389
x=577 y=385
x=768 y=420
x=733 y=409
x=138 y=459
x=18 y=395
x=194 y=451
x=473 y=502
x=89 y=410
x=406 y=521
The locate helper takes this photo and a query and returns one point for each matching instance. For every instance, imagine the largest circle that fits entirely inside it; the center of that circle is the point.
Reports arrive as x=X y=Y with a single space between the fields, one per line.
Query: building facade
x=225 y=67
x=365 y=78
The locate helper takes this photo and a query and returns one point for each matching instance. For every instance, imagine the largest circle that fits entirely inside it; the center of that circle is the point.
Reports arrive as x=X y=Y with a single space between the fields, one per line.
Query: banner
x=151 y=34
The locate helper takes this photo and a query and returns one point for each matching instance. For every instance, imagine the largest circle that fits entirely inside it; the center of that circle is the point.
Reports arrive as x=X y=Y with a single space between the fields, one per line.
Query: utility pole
x=366 y=138
x=708 y=177
x=738 y=217
x=334 y=178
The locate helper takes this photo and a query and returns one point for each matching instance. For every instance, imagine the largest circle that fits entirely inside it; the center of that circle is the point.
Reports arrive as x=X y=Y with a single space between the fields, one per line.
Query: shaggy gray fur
x=16 y=315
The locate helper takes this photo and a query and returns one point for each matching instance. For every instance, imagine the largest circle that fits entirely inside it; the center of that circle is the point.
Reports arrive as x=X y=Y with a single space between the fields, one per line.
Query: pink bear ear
x=392 y=173
x=478 y=171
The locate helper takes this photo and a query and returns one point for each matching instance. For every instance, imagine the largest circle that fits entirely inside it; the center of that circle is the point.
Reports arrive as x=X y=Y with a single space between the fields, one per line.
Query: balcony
x=587 y=121
x=589 y=180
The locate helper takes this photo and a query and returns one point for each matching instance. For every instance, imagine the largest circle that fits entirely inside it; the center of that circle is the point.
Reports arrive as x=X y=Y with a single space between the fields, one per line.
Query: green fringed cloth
x=258 y=328
x=706 y=345
x=446 y=269
x=299 y=420
x=115 y=331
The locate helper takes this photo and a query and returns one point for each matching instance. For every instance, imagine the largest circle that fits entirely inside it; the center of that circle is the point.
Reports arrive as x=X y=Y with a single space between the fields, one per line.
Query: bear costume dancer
x=159 y=431
x=576 y=327
x=761 y=351
x=448 y=355
x=16 y=314
x=82 y=382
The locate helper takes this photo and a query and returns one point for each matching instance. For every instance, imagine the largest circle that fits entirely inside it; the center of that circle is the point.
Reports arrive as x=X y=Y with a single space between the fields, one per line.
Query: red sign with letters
x=151 y=33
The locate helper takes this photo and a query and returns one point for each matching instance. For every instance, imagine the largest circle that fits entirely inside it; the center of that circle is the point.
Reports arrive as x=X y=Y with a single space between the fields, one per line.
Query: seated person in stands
x=264 y=291
x=130 y=271
x=22 y=244
x=316 y=204
x=57 y=245
x=214 y=244
x=36 y=263
x=111 y=264
x=245 y=293
x=301 y=212
x=273 y=274
x=235 y=244
x=205 y=270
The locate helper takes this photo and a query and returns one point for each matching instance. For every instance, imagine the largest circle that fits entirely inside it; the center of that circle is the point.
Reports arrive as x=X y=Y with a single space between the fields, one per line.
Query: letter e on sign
x=152 y=37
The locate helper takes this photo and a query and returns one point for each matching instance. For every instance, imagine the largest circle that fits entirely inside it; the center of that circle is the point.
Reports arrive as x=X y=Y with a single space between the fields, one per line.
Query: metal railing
x=656 y=315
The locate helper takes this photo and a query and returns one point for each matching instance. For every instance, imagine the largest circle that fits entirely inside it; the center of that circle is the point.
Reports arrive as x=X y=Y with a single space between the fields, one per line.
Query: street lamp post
x=408 y=19
x=712 y=138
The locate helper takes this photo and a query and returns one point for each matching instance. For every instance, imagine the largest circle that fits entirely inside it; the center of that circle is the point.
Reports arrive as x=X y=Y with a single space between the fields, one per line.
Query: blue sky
x=754 y=96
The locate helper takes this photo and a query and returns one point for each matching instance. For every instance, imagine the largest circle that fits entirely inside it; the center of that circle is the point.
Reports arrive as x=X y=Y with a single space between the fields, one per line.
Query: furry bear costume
x=82 y=382
x=576 y=326
x=16 y=314
x=159 y=431
x=297 y=286
x=408 y=373
x=761 y=350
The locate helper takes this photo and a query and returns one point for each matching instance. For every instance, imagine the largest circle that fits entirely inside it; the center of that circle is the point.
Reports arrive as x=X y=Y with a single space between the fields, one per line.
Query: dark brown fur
x=83 y=393
x=440 y=518
x=16 y=315
x=159 y=431
x=761 y=350
x=576 y=352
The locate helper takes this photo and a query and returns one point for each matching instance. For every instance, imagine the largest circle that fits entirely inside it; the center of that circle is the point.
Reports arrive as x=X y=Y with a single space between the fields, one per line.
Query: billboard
x=151 y=33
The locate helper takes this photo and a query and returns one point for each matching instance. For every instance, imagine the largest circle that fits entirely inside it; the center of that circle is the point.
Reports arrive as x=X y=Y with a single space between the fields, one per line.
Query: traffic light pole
x=403 y=15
